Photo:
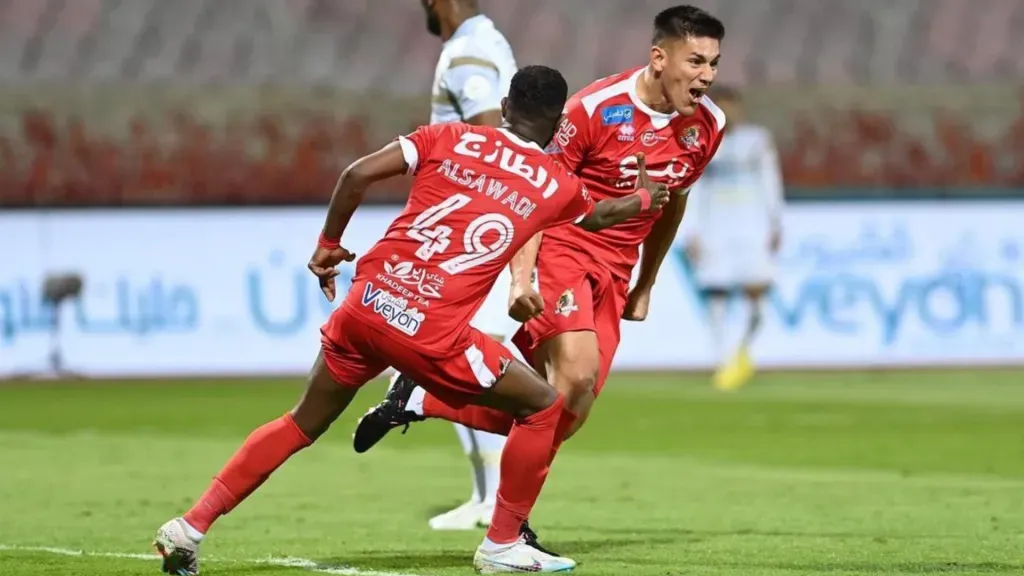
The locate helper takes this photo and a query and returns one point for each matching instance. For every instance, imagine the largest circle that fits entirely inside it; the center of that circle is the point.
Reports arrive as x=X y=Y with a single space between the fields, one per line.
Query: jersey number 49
x=435 y=237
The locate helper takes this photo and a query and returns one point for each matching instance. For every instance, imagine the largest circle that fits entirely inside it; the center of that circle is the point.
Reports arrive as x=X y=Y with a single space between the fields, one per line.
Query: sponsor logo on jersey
x=691 y=137
x=627 y=133
x=472 y=144
x=672 y=174
x=566 y=303
x=395 y=310
x=566 y=132
x=427 y=284
x=649 y=138
x=616 y=115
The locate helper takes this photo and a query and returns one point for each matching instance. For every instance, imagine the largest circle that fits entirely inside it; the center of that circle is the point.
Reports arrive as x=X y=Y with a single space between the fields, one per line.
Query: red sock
x=263 y=452
x=524 y=467
x=564 y=423
x=475 y=417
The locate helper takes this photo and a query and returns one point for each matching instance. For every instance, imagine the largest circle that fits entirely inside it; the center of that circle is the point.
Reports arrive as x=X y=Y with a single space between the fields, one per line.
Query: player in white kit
x=733 y=231
x=473 y=74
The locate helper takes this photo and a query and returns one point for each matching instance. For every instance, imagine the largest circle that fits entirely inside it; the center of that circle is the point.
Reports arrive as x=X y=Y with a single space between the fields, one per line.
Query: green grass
x=847 y=473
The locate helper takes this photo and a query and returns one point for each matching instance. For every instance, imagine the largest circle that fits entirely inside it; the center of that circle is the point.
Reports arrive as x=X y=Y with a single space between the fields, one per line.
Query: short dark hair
x=538 y=93
x=686 y=21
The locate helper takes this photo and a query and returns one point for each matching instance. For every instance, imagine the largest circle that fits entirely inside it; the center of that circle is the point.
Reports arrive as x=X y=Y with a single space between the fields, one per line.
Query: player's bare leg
x=571 y=362
x=716 y=301
x=755 y=298
x=263 y=451
x=740 y=368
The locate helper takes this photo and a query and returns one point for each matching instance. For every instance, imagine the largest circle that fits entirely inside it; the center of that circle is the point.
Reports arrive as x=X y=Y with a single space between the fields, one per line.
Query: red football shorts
x=357 y=351
x=576 y=297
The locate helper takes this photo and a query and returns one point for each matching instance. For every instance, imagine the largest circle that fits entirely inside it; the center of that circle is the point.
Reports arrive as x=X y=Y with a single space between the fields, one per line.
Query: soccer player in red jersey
x=582 y=290
x=479 y=195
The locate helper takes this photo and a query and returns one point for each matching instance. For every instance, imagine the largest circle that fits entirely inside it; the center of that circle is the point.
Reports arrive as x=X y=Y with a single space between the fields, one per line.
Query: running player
x=472 y=75
x=734 y=231
x=572 y=316
x=479 y=195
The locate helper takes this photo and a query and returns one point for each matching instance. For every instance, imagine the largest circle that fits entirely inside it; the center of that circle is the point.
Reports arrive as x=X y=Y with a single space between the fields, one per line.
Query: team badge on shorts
x=566 y=303
x=691 y=137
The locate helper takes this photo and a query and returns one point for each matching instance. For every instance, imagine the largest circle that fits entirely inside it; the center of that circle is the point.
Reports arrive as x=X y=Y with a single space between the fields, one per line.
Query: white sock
x=193 y=534
x=490 y=447
x=415 y=403
x=492 y=546
x=716 y=320
x=469 y=446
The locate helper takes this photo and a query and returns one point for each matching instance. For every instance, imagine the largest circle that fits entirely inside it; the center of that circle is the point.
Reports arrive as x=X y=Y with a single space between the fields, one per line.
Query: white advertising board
x=181 y=292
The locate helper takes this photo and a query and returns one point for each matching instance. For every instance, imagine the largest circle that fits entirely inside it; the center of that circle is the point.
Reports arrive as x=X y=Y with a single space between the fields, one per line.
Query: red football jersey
x=478 y=195
x=603 y=128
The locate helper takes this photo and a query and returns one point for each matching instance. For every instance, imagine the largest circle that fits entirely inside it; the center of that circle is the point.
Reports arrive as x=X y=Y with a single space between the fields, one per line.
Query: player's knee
x=540 y=398
x=577 y=383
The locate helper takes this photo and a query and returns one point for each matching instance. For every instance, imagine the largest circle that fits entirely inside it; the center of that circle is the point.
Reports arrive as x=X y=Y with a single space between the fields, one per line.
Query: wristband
x=325 y=242
x=645 y=199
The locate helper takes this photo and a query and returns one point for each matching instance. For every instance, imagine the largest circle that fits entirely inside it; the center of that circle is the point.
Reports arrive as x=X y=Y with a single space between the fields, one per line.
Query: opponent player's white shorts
x=736 y=266
x=492 y=318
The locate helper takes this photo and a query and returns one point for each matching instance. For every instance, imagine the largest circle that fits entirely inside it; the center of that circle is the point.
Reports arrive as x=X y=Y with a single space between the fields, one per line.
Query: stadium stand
x=262 y=101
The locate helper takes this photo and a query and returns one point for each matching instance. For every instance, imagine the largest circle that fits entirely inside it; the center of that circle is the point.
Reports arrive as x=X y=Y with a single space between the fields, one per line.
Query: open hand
x=324 y=264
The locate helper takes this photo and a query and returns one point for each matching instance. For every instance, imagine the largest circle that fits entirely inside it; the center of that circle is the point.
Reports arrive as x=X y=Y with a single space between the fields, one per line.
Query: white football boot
x=519 y=557
x=180 y=553
x=468 y=516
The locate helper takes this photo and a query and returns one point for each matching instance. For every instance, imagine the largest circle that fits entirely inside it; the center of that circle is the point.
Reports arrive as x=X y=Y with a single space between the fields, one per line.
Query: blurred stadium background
x=263 y=101
x=177 y=155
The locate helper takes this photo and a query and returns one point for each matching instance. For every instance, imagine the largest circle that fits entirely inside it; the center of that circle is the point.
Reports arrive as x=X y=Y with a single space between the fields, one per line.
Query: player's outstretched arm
x=658 y=242
x=348 y=194
x=649 y=197
x=525 y=260
x=351 y=187
x=610 y=212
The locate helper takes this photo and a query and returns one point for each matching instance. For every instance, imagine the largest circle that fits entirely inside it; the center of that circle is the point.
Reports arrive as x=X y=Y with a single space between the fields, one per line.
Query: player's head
x=730 y=100
x=448 y=11
x=685 y=53
x=534 y=103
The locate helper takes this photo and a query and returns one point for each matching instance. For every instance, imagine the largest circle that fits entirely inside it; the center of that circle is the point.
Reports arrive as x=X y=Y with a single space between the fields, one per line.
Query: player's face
x=433 y=19
x=687 y=68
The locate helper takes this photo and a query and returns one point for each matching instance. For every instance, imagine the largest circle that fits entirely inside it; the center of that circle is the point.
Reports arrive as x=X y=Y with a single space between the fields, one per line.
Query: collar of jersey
x=658 y=119
x=524 y=143
x=467 y=26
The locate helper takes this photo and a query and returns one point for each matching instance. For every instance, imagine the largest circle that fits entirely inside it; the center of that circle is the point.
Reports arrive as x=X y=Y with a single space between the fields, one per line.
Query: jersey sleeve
x=571 y=143
x=579 y=207
x=416 y=147
x=474 y=84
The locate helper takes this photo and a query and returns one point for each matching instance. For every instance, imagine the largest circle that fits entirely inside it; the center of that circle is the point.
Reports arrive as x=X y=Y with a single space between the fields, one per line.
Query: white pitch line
x=302 y=563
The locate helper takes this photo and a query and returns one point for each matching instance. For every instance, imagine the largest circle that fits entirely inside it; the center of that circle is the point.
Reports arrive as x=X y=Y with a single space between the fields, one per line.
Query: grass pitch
x=882 y=473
